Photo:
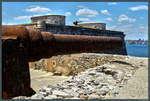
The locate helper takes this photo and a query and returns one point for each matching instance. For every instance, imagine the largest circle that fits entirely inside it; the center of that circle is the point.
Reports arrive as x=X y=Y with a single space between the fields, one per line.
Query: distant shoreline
x=137 y=42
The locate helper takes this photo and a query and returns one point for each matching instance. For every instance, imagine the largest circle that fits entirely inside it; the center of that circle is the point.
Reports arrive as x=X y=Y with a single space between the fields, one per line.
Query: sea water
x=137 y=50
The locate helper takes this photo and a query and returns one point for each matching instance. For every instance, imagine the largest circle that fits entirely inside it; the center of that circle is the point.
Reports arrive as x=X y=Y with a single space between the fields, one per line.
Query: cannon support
x=21 y=45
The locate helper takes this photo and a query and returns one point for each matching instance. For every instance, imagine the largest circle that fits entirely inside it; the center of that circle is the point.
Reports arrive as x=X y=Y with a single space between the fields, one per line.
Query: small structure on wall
x=49 y=19
x=94 y=25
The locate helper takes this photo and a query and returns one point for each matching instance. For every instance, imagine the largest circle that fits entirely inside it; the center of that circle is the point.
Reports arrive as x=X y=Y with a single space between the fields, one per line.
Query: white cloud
x=68 y=14
x=37 y=15
x=125 y=28
x=87 y=12
x=131 y=31
x=38 y=9
x=84 y=19
x=70 y=23
x=105 y=12
x=112 y=27
x=42 y=14
x=140 y=7
x=82 y=6
x=109 y=19
x=112 y=3
x=142 y=17
x=21 y=17
x=4 y=23
x=28 y=17
x=123 y=17
x=47 y=14
x=144 y=29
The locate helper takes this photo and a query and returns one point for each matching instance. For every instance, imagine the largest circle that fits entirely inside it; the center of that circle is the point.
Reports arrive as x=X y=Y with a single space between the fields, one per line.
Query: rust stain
x=45 y=44
x=4 y=95
x=32 y=45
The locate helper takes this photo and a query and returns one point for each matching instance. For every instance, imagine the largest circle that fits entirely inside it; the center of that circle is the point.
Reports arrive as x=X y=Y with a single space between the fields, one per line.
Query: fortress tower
x=49 y=19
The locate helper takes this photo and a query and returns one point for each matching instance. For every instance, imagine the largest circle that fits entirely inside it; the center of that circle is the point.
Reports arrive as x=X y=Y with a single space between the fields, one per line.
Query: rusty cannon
x=21 y=45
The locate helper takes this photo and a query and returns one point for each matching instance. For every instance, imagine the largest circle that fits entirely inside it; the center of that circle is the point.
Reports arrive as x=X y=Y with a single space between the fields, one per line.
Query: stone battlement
x=56 y=25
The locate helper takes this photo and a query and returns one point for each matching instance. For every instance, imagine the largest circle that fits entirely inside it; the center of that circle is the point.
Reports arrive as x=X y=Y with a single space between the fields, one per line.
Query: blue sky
x=129 y=17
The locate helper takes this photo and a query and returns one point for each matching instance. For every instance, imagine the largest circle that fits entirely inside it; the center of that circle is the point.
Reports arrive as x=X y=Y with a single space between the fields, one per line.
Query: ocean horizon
x=137 y=50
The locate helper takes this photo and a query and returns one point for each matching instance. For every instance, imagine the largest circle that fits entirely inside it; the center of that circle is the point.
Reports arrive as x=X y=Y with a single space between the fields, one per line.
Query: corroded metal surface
x=21 y=45
x=45 y=44
x=15 y=70
x=77 y=43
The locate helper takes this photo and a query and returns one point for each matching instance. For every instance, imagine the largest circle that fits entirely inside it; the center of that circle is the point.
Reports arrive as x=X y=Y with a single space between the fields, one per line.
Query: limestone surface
x=108 y=80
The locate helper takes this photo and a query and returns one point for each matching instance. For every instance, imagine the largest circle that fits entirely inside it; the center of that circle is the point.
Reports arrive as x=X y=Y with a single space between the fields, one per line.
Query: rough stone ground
x=137 y=86
x=41 y=78
x=125 y=78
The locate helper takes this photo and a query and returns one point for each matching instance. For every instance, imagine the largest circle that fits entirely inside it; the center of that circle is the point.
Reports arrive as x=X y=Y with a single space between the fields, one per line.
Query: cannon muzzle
x=45 y=44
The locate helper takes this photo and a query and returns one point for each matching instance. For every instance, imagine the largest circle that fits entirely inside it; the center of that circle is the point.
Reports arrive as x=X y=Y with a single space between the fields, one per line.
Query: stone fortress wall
x=56 y=25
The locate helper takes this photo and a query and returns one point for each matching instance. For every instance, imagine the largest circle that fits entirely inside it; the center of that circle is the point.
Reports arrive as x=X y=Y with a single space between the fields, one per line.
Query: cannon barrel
x=21 y=45
x=78 y=43
x=45 y=44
